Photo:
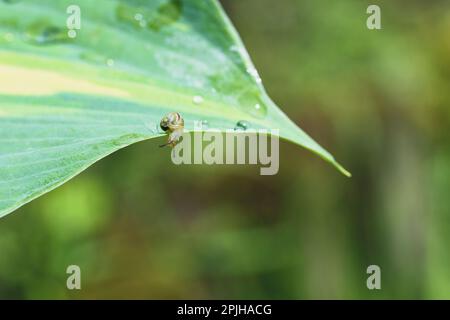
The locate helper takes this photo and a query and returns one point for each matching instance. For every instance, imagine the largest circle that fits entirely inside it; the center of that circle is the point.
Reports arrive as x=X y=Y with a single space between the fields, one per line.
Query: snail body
x=172 y=123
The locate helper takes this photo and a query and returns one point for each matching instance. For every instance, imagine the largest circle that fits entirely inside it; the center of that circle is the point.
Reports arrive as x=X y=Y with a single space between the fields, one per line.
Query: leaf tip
x=343 y=170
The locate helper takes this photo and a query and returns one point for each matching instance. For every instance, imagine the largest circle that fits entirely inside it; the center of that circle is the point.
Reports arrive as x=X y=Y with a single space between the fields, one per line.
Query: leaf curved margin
x=48 y=137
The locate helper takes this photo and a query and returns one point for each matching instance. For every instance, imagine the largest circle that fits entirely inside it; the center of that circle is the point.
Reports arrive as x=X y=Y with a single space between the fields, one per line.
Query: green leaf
x=67 y=102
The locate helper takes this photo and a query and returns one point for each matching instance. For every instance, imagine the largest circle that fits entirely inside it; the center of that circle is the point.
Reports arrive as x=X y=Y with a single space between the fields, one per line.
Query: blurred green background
x=141 y=227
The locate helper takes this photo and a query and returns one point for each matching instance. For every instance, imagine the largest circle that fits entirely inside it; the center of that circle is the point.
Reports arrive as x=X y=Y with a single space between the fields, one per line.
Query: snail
x=173 y=123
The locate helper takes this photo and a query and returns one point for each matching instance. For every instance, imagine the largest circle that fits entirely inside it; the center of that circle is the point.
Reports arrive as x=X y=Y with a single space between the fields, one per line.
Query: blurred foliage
x=141 y=227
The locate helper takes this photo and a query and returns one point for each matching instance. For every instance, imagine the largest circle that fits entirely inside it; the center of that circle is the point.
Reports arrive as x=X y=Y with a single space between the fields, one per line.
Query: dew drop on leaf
x=242 y=125
x=72 y=34
x=110 y=62
x=252 y=104
x=197 y=100
x=255 y=75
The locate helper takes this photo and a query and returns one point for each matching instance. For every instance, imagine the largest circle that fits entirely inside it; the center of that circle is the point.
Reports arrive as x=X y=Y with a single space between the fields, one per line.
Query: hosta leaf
x=66 y=102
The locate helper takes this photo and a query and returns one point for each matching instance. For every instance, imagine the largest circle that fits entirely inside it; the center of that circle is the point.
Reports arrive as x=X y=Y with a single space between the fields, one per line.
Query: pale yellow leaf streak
x=16 y=80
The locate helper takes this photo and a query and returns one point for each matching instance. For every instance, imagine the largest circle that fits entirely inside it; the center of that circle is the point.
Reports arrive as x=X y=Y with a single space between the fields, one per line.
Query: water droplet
x=127 y=14
x=250 y=102
x=255 y=75
x=72 y=34
x=110 y=62
x=197 y=99
x=241 y=125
